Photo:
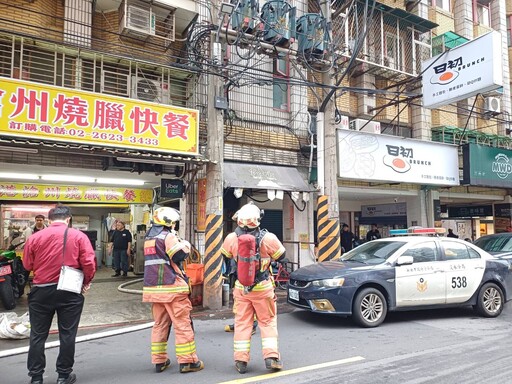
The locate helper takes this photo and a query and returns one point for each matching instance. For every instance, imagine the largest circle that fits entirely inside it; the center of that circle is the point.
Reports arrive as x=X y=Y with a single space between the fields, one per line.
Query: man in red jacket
x=44 y=254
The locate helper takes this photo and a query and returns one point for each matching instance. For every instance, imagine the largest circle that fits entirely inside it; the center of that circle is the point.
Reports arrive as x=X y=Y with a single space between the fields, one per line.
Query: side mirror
x=405 y=260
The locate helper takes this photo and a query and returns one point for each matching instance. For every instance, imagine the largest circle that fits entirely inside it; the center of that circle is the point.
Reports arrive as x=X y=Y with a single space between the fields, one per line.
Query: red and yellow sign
x=201 y=205
x=45 y=112
x=76 y=194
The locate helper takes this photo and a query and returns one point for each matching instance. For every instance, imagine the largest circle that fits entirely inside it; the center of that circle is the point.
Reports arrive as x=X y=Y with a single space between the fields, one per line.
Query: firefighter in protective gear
x=258 y=300
x=166 y=287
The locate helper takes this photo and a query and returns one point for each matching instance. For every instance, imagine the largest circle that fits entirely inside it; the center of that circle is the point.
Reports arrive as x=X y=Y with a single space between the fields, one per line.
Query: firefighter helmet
x=248 y=216
x=165 y=216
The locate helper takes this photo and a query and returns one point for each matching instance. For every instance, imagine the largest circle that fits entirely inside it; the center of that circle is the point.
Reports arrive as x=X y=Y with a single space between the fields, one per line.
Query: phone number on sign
x=121 y=138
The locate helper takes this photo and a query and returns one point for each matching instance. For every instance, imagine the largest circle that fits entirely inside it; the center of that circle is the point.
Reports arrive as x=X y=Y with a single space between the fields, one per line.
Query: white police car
x=403 y=273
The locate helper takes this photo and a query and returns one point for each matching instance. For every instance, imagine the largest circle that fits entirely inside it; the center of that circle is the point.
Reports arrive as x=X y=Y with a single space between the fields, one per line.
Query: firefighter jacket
x=163 y=277
x=270 y=248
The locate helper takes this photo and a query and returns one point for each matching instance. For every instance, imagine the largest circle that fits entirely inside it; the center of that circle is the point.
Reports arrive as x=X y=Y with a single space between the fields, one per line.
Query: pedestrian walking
x=258 y=299
x=121 y=249
x=44 y=253
x=166 y=287
x=347 y=238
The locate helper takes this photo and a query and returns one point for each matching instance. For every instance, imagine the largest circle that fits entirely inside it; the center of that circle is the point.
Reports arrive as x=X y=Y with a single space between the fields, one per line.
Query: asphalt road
x=443 y=346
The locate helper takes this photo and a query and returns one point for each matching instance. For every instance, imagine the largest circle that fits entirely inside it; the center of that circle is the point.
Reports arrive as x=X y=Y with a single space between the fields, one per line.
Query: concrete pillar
x=298 y=227
x=421 y=123
x=365 y=103
x=416 y=210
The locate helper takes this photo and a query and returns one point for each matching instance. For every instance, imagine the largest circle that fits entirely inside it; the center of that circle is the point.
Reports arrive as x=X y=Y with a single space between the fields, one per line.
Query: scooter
x=13 y=277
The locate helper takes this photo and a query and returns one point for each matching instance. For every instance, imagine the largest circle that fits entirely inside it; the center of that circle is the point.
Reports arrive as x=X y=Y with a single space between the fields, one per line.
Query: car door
x=464 y=269
x=423 y=282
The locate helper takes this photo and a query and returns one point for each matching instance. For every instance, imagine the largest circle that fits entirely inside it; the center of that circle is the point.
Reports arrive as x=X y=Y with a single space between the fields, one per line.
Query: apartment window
x=281 y=86
x=443 y=4
x=481 y=12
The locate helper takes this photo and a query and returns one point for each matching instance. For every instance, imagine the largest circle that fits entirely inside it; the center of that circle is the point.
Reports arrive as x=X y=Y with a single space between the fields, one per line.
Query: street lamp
x=227 y=8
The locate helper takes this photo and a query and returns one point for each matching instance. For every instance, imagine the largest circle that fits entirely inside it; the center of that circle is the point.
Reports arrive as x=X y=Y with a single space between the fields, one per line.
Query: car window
x=495 y=243
x=455 y=251
x=374 y=252
x=423 y=252
x=473 y=254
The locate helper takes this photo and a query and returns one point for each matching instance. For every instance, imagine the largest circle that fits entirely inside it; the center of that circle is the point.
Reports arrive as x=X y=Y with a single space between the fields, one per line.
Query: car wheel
x=370 y=308
x=490 y=300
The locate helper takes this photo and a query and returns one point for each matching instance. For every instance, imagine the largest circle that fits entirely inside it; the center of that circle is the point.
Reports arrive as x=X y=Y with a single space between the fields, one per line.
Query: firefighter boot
x=191 y=367
x=273 y=364
x=241 y=366
x=160 y=367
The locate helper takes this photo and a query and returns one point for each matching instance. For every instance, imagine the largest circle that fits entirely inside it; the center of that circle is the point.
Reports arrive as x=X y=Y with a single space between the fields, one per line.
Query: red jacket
x=43 y=254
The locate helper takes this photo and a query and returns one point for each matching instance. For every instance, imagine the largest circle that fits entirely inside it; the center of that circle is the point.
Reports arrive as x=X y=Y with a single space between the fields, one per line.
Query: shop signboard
x=38 y=111
x=487 y=166
x=171 y=188
x=462 y=72
x=375 y=157
x=470 y=211
x=74 y=193
x=503 y=217
x=201 y=205
x=384 y=214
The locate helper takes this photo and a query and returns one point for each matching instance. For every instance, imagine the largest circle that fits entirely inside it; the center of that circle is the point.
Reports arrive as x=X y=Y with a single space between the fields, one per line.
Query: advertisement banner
x=374 y=157
x=76 y=194
x=487 y=166
x=38 y=111
x=502 y=217
x=462 y=72
x=171 y=188
x=201 y=205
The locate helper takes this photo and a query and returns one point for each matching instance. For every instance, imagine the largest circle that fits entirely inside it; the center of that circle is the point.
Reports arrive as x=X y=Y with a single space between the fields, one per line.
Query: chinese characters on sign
x=50 y=113
x=35 y=192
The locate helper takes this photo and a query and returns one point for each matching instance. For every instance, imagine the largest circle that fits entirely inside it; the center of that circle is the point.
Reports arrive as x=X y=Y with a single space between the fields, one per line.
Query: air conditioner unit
x=139 y=20
x=492 y=105
x=150 y=90
x=361 y=125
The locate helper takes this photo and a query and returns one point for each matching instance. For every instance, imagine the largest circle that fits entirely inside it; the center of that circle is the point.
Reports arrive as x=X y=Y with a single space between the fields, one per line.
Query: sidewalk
x=108 y=305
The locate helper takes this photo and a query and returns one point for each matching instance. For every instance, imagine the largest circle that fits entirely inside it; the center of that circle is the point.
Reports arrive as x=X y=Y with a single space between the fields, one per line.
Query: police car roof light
x=417 y=231
x=397 y=232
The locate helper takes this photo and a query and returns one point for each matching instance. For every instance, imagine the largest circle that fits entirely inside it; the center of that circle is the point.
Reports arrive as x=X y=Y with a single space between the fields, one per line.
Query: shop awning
x=243 y=175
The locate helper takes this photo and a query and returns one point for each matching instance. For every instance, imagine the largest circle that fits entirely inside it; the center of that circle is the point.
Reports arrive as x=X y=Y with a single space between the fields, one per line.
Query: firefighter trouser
x=263 y=305
x=175 y=313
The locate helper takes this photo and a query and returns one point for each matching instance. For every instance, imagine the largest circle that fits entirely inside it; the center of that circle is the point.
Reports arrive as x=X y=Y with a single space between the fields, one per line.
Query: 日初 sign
x=369 y=157
x=464 y=71
x=38 y=111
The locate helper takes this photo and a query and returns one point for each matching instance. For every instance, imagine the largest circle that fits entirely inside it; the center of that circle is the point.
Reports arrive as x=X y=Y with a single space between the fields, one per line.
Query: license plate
x=293 y=294
x=5 y=270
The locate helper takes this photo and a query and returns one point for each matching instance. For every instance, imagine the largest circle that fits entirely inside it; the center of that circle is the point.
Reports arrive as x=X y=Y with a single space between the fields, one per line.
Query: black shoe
x=273 y=364
x=160 y=367
x=116 y=274
x=38 y=380
x=191 y=367
x=68 y=380
x=241 y=366
x=125 y=274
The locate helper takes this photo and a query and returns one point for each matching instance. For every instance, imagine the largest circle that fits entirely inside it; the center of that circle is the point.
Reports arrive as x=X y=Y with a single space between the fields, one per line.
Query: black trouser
x=43 y=302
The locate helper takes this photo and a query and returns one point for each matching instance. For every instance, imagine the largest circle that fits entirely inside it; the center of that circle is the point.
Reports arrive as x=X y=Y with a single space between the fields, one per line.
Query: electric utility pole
x=328 y=202
x=212 y=289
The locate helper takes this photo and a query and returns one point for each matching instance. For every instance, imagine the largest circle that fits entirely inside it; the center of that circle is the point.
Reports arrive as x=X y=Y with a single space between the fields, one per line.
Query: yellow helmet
x=248 y=216
x=165 y=216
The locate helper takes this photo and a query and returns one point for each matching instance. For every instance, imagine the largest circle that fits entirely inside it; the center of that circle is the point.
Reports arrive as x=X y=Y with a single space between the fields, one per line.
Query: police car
x=403 y=273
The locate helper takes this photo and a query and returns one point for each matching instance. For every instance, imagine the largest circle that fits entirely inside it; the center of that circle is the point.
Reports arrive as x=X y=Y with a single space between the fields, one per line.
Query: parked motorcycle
x=13 y=277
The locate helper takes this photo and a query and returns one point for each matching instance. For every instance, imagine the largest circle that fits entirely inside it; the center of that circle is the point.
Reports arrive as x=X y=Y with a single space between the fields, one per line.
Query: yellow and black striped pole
x=328 y=232
x=212 y=289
